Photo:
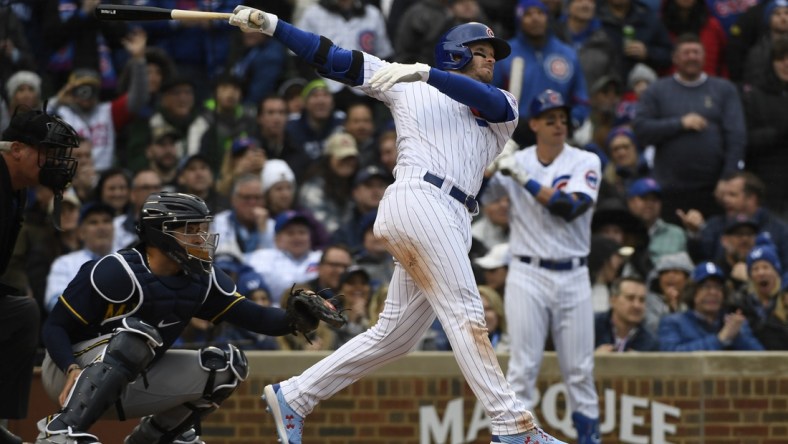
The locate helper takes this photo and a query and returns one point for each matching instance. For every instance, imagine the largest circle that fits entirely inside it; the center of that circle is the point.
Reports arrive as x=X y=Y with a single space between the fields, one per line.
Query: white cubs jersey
x=97 y=127
x=535 y=231
x=446 y=138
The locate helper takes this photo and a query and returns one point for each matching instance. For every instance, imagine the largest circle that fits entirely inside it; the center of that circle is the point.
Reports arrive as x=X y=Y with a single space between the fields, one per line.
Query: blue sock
x=512 y=439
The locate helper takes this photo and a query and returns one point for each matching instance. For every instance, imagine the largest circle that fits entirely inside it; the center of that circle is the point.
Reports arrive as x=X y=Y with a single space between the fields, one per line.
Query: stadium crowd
x=684 y=101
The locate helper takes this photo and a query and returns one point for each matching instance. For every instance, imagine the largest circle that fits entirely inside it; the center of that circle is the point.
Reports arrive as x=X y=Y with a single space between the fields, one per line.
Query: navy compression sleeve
x=487 y=99
x=330 y=60
x=269 y=321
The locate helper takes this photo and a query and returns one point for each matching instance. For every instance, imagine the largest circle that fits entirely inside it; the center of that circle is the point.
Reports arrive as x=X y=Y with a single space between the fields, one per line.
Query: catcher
x=109 y=335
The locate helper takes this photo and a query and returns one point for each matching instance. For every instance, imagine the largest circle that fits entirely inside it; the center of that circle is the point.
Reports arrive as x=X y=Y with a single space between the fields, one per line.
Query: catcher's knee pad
x=226 y=359
x=133 y=346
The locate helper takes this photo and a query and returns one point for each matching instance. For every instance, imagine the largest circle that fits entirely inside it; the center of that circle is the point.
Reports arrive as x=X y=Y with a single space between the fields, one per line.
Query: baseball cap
x=740 y=220
x=369 y=172
x=69 y=198
x=547 y=100
x=603 y=81
x=497 y=257
x=288 y=217
x=275 y=171
x=706 y=270
x=186 y=161
x=94 y=208
x=352 y=271
x=642 y=187
x=341 y=145
x=241 y=144
x=160 y=132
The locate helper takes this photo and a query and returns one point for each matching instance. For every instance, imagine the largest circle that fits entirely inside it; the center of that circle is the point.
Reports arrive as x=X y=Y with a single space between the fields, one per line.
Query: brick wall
x=722 y=397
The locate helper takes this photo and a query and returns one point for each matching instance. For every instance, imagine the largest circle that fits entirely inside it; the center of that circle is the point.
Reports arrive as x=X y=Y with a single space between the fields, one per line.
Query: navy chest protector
x=124 y=280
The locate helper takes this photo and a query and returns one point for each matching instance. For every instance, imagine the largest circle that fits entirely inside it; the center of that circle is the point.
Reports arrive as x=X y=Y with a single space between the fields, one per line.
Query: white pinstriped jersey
x=535 y=231
x=445 y=137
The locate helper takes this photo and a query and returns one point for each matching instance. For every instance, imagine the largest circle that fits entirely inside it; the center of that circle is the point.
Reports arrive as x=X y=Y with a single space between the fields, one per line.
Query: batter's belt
x=554 y=265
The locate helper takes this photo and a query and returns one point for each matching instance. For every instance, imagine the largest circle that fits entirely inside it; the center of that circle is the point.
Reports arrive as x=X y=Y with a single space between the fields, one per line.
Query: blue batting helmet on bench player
x=452 y=50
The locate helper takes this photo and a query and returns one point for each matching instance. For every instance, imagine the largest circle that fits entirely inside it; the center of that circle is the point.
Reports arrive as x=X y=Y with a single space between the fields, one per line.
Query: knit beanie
x=523 y=5
x=769 y=10
x=641 y=72
x=766 y=253
x=23 y=78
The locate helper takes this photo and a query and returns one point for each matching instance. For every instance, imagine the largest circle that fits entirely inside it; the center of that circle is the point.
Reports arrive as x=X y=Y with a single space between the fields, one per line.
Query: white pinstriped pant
x=428 y=232
x=537 y=300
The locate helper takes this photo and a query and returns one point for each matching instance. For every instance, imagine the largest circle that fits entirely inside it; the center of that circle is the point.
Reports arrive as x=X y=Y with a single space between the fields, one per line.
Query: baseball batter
x=450 y=125
x=547 y=288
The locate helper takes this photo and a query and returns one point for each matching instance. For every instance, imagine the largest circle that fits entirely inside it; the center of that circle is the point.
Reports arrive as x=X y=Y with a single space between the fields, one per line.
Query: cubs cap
x=707 y=270
x=547 y=100
x=290 y=217
x=644 y=186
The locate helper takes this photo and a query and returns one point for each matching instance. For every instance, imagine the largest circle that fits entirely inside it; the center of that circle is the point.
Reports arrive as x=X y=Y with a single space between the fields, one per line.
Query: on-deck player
x=552 y=196
x=450 y=125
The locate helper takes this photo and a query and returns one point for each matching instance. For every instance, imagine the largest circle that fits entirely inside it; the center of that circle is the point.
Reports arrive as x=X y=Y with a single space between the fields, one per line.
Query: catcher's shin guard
x=100 y=384
x=226 y=368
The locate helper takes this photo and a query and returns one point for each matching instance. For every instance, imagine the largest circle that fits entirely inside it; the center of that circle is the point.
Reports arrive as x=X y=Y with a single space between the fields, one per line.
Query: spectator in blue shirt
x=707 y=325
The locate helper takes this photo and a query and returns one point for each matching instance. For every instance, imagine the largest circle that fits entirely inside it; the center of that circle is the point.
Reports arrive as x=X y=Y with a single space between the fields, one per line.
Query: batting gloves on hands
x=508 y=166
x=508 y=149
x=385 y=78
x=253 y=20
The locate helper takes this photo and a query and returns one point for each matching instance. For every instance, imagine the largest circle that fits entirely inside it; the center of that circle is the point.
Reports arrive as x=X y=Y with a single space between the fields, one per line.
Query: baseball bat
x=137 y=13
x=516 y=74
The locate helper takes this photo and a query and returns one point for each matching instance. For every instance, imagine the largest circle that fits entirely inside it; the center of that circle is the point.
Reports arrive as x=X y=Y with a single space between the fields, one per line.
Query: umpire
x=35 y=150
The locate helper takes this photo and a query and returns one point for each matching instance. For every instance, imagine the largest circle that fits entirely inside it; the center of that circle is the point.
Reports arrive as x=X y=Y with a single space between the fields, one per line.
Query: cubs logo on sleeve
x=592 y=179
x=560 y=182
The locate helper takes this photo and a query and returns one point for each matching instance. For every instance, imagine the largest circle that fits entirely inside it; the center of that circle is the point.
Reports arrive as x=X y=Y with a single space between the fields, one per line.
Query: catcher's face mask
x=198 y=244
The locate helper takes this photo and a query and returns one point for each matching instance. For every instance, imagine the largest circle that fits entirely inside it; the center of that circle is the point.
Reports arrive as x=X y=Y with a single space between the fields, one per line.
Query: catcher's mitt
x=305 y=309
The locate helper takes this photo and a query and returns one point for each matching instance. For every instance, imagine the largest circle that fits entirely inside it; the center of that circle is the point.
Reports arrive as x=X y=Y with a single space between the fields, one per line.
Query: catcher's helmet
x=547 y=100
x=177 y=224
x=452 y=50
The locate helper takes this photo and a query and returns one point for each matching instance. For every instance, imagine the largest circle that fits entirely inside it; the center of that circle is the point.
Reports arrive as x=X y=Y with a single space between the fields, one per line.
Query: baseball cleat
x=289 y=424
x=533 y=436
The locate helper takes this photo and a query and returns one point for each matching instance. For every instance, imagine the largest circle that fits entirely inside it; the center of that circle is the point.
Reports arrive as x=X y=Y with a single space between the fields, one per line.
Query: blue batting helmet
x=452 y=50
x=547 y=100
